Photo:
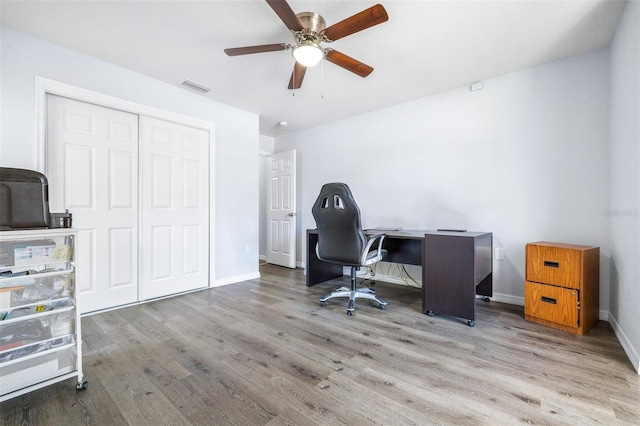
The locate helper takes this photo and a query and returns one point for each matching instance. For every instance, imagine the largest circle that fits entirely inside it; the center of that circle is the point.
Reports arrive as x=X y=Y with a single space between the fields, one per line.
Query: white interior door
x=281 y=214
x=174 y=208
x=92 y=167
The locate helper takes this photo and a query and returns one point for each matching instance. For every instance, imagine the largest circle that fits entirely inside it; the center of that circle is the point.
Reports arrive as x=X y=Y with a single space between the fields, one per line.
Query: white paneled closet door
x=92 y=168
x=174 y=208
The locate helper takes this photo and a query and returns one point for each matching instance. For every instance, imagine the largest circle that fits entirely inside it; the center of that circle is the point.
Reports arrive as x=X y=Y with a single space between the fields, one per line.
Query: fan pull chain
x=321 y=79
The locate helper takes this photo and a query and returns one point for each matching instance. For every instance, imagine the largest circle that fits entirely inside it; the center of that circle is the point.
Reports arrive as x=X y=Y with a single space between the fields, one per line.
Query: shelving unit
x=40 y=338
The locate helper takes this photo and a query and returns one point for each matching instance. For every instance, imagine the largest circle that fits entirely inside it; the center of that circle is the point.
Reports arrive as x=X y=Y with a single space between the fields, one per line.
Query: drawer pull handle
x=548 y=300
x=551 y=264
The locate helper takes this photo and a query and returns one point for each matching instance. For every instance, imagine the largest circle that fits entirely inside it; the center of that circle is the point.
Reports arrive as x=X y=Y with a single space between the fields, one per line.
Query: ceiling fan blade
x=348 y=63
x=235 y=51
x=295 y=82
x=286 y=14
x=360 y=21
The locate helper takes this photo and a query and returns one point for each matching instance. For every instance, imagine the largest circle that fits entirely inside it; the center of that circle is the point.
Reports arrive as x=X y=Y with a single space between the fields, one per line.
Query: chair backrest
x=340 y=236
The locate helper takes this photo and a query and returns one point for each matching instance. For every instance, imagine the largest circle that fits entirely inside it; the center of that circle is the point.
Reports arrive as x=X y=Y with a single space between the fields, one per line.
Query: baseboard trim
x=263 y=258
x=140 y=302
x=236 y=279
x=507 y=298
x=631 y=352
x=604 y=316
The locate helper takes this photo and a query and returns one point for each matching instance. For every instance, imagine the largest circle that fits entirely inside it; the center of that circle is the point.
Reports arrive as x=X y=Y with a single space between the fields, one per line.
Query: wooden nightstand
x=562 y=285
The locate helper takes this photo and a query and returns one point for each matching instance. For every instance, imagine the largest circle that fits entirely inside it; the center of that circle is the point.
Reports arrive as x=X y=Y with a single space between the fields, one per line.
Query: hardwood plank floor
x=264 y=352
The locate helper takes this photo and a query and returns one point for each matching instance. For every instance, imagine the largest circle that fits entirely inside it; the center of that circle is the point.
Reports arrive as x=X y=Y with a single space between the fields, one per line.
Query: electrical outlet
x=498 y=253
x=247 y=248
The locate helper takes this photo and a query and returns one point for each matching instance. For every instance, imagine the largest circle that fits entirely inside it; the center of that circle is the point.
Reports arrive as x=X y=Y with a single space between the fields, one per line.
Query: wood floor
x=264 y=352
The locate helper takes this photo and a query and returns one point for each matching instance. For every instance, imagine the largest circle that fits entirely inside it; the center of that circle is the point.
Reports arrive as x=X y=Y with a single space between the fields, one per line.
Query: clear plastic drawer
x=38 y=286
x=36 y=322
x=26 y=252
x=15 y=352
x=37 y=367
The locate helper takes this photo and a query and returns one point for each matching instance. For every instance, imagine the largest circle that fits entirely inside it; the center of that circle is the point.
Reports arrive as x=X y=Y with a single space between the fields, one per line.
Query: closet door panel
x=121 y=267
x=79 y=173
x=174 y=208
x=122 y=170
x=92 y=167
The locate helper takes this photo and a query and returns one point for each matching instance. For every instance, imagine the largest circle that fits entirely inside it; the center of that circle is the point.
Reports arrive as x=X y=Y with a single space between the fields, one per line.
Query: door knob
x=291 y=214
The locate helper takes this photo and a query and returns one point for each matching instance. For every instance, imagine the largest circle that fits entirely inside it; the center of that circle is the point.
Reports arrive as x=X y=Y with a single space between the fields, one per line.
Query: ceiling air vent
x=195 y=86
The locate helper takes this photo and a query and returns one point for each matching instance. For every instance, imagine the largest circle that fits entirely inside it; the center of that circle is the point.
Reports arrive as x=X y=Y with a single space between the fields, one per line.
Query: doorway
x=280 y=210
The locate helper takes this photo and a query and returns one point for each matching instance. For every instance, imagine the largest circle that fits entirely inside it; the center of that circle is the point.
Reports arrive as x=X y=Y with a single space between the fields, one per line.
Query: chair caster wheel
x=471 y=323
x=322 y=304
x=350 y=313
x=430 y=313
x=383 y=307
x=486 y=299
x=82 y=386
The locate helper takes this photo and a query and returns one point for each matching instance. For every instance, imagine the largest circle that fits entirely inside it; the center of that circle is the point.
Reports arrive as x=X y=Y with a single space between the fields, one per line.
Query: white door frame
x=44 y=86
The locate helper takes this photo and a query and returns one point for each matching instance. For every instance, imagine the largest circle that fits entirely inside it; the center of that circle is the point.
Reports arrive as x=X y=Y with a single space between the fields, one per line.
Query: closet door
x=92 y=168
x=174 y=208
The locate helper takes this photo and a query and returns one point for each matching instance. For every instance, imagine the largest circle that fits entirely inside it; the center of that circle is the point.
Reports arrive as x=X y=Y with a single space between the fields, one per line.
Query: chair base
x=354 y=293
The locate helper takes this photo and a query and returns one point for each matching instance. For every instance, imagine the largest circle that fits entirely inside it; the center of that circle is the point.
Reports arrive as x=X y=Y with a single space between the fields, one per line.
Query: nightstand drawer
x=551 y=303
x=550 y=264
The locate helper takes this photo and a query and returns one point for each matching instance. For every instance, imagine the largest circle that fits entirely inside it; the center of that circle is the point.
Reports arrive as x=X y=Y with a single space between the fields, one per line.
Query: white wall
x=236 y=140
x=624 y=165
x=526 y=158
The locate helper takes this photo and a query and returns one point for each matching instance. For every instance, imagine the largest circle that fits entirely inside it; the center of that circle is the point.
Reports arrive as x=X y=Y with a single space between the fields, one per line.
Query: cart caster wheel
x=383 y=307
x=322 y=304
x=82 y=386
x=471 y=323
x=430 y=313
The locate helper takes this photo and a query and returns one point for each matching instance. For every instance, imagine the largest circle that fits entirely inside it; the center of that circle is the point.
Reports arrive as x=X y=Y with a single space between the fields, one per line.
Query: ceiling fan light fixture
x=308 y=54
x=309 y=31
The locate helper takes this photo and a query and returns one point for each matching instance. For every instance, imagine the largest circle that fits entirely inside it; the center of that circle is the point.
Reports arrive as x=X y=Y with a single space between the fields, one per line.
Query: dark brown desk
x=455 y=267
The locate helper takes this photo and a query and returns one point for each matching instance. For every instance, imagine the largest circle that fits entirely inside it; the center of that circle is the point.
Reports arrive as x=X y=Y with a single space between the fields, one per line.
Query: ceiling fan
x=309 y=31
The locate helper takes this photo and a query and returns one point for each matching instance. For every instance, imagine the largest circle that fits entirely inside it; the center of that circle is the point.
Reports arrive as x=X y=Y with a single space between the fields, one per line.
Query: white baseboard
x=631 y=352
x=236 y=279
x=394 y=280
x=299 y=264
x=507 y=298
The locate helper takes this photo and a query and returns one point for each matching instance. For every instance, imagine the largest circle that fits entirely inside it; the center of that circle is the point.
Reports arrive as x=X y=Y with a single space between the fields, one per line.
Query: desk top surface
x=419 y=233
x=402 y=233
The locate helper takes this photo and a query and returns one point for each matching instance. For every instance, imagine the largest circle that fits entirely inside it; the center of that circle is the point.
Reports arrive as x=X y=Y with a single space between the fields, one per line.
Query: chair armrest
x=380 y=238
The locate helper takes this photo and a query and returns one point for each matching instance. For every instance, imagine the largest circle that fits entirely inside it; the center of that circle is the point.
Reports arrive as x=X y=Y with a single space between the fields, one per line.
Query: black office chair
x=342 y=241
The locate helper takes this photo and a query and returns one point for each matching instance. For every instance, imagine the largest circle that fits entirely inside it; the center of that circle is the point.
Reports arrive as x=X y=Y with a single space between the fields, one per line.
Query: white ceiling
x=425 y=47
